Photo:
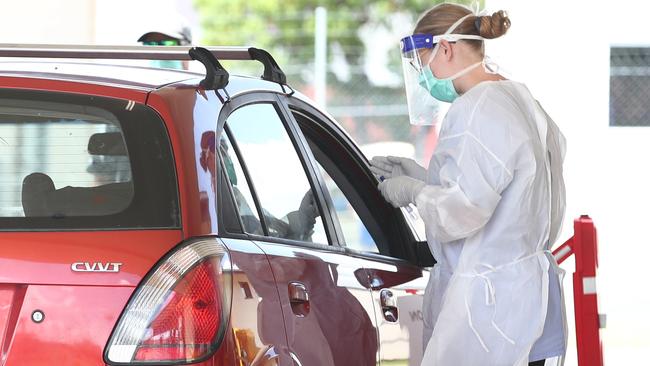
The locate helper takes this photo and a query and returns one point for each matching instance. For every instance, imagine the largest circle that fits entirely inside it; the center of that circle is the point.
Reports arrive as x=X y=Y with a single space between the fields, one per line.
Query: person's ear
x=446 y=49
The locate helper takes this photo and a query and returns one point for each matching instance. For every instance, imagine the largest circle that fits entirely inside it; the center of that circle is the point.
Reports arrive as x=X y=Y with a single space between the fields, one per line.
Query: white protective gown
x=493 y=206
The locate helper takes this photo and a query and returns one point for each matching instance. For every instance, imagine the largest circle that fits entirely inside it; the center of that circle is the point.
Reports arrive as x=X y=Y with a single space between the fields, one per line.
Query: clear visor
x=423 y=109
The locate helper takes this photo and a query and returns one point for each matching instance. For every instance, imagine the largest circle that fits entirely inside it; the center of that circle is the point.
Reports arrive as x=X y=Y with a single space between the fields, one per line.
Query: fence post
x=320 y=57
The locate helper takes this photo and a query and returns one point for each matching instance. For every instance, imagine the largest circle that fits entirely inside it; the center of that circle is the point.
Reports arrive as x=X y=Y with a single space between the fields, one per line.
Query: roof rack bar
x=272 y=71
x=180 y=53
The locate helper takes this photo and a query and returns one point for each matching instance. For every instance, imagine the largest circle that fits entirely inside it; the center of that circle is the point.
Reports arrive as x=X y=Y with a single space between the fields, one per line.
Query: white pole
x=320 y=57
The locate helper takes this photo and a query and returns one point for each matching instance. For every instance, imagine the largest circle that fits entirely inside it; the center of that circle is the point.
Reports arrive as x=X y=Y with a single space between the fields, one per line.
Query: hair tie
x=477 y=24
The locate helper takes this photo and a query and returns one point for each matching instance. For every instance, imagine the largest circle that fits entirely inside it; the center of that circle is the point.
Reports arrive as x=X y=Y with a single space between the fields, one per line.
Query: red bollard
x=584 y=246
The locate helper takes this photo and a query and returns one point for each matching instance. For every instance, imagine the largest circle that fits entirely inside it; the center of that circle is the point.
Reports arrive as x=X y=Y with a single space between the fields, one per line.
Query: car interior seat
x=40 y=198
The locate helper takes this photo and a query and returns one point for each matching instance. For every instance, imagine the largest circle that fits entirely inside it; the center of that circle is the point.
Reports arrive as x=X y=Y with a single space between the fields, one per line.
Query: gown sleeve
x=557 y=151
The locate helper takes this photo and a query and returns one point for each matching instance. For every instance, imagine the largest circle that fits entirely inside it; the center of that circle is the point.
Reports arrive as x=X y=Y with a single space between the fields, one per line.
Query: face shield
x=423 y=109
x=418 y=50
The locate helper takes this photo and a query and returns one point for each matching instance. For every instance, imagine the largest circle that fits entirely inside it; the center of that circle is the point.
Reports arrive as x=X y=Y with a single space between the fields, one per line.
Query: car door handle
x=388 y=305
x=299 y=299
x=294 y=358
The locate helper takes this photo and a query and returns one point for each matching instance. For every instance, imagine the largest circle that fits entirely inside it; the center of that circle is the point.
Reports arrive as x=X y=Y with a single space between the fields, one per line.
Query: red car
x=165 y=217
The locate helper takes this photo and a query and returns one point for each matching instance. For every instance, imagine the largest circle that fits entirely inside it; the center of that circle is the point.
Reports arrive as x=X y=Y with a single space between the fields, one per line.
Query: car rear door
x=325 y=295
x=374 y=234
x=88 y=204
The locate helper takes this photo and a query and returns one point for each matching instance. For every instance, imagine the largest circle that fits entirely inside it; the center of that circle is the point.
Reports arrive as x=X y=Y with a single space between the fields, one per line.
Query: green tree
x=286 y=27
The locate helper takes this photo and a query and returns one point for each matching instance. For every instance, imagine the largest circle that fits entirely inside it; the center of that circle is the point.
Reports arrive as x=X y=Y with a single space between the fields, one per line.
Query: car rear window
x=83 y=162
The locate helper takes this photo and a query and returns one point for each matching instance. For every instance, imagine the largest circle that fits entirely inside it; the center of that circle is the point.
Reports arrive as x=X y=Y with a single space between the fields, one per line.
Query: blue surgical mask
x=441 y=89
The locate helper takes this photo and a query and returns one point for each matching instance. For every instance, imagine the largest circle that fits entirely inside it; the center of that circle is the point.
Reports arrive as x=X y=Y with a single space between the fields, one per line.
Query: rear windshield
x=82 y=162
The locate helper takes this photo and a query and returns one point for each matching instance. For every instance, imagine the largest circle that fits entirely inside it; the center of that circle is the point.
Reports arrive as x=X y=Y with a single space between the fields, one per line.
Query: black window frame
x=403 y=246
x=351 y=194
x=155 y=205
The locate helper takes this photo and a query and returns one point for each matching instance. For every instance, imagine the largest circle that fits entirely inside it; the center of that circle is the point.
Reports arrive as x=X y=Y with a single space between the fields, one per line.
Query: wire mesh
x=629 y=90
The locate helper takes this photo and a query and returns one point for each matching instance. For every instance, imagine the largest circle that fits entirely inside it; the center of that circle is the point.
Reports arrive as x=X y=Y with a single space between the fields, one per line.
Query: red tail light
x=183 y=302
x=186 y=325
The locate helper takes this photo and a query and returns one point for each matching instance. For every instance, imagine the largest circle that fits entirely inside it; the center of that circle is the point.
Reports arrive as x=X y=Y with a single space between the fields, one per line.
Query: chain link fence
x=629 y=86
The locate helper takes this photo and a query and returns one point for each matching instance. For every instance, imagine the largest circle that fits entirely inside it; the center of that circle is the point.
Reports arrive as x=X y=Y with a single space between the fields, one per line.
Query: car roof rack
x=215 y=72
x=216 y=77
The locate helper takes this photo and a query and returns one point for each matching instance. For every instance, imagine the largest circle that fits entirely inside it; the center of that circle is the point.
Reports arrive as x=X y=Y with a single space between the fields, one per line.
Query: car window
x=276 y=173
x=354 y=199
x=355 y=233
x=64 y=162
x=243 y=196
x=63 y=166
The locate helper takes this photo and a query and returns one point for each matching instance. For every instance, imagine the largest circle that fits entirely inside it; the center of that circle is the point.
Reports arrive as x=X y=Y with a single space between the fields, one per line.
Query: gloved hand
x=394 y=166
x=301 y=222
x=401 y=191
x=308 y=208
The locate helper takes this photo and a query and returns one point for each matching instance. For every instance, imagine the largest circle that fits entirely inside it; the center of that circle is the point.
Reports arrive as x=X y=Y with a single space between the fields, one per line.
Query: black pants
x=537 y=363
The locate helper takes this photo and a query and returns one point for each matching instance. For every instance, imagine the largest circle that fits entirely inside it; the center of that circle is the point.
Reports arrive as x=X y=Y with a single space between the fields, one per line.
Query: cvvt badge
x=96 y=267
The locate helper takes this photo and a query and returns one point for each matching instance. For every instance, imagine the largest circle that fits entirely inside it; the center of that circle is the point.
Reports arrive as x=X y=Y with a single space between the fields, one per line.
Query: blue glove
x=401 y=191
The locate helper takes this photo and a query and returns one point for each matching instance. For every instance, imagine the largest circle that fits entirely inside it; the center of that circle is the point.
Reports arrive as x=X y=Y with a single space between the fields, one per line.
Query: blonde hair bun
x=493 y=26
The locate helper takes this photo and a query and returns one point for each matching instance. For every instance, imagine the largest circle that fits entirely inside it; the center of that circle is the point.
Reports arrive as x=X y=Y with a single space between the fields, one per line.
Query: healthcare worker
x=492 y=199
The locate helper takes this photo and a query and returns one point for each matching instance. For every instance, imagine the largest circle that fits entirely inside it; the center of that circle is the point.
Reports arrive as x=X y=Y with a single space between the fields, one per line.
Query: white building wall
x=30 y=21
x=90 y=21
x=117 y=24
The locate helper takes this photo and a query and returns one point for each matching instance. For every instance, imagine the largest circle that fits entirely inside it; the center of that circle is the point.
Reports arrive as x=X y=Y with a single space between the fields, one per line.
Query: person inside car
x=295 y=225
